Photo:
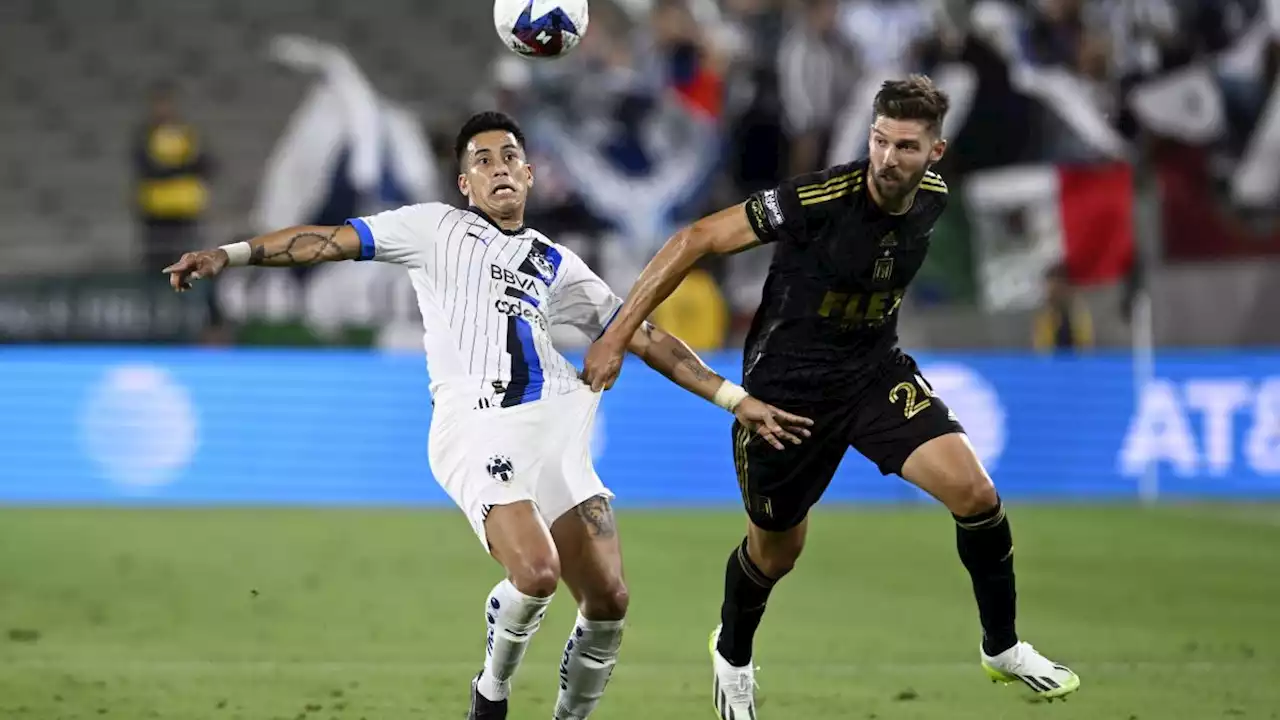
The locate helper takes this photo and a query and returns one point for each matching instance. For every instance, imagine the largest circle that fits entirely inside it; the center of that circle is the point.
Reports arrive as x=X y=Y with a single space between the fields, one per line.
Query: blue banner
x=190 y=426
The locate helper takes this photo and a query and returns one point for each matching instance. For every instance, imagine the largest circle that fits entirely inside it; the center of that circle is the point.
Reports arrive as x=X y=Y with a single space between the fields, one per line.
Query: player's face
x=901 y=152
x=496 y=177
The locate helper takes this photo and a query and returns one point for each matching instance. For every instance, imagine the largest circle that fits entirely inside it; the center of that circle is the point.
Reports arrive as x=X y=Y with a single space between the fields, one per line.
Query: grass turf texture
x=316 y=614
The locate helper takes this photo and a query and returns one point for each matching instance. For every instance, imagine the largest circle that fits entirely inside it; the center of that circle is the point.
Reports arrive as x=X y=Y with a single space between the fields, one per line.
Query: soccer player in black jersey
x=824 y=344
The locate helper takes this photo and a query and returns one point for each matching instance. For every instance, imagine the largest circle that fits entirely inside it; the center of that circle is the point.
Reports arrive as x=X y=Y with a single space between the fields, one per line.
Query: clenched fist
x=602 y=364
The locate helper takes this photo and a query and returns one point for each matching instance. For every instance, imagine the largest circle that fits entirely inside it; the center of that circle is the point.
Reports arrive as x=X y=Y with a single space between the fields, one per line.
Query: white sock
x=588 y=661
x=513 y=618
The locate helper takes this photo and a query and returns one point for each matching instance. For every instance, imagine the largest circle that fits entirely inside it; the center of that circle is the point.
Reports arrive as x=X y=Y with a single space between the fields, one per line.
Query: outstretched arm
x=671 y=357
x=301 y=245
x=725 y=232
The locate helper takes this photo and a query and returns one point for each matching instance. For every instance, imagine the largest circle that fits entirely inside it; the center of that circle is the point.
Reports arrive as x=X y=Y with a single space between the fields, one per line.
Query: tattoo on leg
x=599 y=517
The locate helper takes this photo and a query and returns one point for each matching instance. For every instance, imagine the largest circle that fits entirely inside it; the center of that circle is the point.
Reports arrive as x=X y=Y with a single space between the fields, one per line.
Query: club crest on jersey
x=500 y=469
x=883 y=270
x=545 y=269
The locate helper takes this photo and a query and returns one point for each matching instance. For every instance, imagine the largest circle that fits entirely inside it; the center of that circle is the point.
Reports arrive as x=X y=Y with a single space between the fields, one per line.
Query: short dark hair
x=482 y=123
x=915 y=98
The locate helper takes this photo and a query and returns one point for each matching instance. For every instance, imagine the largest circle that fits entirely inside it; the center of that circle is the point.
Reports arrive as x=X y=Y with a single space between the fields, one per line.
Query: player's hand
x=602 y=365
x=772 y=424
x=199 y=265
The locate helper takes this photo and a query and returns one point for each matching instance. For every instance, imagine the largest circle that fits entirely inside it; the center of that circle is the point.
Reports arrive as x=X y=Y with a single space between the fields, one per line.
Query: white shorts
x=539 y=451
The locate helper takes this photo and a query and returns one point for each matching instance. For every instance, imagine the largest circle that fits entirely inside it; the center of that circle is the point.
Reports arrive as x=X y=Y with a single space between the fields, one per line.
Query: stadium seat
x=74 y=91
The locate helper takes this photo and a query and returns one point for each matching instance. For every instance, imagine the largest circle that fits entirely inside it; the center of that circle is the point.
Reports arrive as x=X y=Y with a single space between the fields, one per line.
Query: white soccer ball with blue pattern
x=540 y=28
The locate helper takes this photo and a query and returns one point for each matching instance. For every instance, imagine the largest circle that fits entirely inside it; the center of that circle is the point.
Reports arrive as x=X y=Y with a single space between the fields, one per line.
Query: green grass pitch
x=1167 y=613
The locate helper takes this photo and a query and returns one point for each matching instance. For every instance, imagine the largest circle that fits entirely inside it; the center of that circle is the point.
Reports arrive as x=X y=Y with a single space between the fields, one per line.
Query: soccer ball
x=540 y=28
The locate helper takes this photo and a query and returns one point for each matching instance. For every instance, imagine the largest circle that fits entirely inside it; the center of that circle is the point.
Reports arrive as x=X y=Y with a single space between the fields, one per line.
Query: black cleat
x=482 y=708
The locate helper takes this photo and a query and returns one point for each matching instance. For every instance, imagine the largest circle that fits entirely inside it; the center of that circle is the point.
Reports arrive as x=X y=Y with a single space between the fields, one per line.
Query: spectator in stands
x=1076 y=35
x=694 y=65
x=885 y=32
x=172 y=170
x=1063 y=324
x=817 y=73
x=1055 y=33
x=886 y=36
x=753 y=29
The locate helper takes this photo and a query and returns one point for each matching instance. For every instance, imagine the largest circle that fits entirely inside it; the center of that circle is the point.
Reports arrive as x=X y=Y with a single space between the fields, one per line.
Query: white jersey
x=488 y=299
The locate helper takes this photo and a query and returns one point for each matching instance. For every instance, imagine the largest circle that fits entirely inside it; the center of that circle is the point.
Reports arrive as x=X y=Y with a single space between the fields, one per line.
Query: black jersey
x=828 y=316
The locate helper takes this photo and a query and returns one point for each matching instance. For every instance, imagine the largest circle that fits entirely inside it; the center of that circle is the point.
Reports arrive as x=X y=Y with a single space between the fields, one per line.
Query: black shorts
x=895 y=413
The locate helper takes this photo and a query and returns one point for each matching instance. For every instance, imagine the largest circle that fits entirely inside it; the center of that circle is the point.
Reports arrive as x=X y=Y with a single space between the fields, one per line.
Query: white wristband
x=238 y=254
x=729 y=395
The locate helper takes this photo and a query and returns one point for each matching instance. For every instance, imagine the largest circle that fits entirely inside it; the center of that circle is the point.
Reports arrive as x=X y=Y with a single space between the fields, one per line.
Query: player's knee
x=609 y=602
x=976 y=495
x=776 y=565
x=537 y=577
x=776 y=555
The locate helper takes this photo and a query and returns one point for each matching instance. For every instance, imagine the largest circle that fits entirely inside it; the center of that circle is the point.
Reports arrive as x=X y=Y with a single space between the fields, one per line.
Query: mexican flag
x=1026 y=219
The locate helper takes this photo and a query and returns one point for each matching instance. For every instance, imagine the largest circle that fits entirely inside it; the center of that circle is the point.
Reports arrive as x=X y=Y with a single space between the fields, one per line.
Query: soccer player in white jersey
x=510 y=434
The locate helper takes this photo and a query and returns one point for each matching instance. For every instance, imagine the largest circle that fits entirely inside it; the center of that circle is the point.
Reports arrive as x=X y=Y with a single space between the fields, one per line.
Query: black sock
x=746 y=590
x=985 y=543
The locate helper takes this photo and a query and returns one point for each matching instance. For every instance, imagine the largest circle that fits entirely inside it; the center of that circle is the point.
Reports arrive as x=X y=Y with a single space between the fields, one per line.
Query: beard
x=895 y=184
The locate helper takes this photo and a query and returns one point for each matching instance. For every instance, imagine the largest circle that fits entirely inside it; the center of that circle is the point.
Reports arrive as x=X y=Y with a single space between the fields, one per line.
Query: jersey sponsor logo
x=512 y=278
x=773 y=208
x=500 y=468
x=854 y=309
x=512 y=307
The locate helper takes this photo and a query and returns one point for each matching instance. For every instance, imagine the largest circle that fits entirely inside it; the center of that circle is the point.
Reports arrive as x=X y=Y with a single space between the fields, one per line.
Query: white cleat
x=734 y=692
x=1022 y=663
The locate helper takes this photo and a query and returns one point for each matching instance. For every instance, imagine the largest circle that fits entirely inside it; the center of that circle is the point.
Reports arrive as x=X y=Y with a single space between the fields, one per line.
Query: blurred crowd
x=1062 y=111
x=675 y=107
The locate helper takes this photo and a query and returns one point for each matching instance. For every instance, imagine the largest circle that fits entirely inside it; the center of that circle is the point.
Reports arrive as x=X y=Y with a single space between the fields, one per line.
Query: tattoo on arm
x=306 y=248
x=598 y=516
x=691 y=361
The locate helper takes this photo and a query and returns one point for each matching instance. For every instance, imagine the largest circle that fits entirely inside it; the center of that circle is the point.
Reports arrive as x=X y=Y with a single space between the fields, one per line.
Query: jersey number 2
x=907 y=392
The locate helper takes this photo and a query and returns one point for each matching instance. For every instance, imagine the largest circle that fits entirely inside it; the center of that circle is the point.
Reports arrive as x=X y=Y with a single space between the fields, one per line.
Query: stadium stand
x=74 y=85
